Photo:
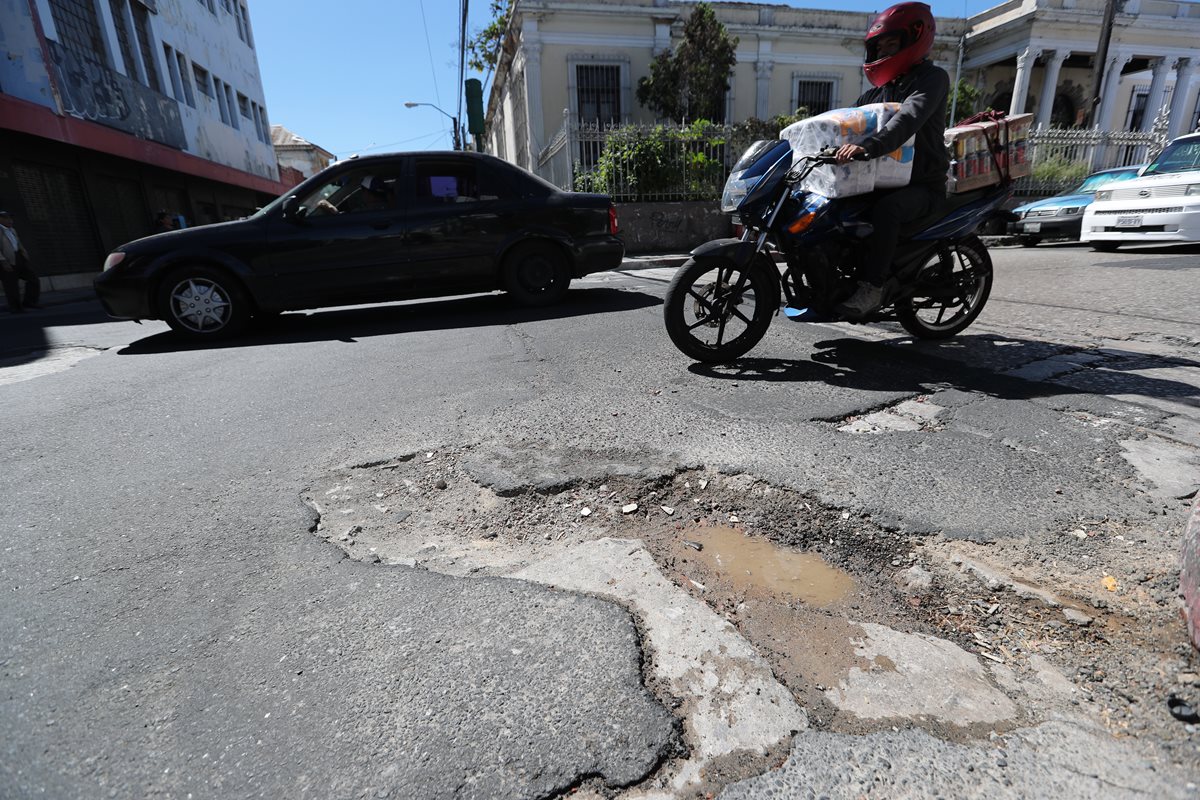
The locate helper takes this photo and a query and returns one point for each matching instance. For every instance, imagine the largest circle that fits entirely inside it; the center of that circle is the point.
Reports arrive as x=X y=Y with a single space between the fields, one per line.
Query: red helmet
x=913 y=23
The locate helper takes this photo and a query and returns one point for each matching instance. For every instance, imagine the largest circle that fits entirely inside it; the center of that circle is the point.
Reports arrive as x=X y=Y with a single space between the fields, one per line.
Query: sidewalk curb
x=653 y=262
x=1189 y=574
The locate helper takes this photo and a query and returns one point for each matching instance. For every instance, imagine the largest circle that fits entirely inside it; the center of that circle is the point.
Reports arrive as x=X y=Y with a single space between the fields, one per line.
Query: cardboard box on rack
x=972 y=162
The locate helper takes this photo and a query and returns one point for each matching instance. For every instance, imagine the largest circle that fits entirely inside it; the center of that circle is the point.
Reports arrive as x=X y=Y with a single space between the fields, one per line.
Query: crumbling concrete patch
x=1173 y=470
x=913 y=674
x=1189 y=579
x=1063 y=760
x=731 y=699
x=509 y=471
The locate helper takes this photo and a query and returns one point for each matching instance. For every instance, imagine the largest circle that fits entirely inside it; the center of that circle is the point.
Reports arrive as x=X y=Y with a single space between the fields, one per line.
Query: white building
x=112 y=110
x=296 y=152
x=570 y=62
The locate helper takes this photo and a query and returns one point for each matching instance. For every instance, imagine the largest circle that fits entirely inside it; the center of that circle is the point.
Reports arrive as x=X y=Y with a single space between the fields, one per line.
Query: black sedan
x=369 y=230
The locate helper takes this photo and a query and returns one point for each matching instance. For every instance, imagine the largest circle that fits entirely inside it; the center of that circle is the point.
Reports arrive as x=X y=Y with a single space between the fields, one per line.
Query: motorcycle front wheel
x=952 y=290
x=716 y=311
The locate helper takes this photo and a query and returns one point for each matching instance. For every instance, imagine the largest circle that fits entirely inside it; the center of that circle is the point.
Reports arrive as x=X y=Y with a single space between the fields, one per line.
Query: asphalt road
x=172 y=626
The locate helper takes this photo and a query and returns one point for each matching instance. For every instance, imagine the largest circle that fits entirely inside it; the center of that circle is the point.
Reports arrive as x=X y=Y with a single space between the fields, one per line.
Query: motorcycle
x=722 y=300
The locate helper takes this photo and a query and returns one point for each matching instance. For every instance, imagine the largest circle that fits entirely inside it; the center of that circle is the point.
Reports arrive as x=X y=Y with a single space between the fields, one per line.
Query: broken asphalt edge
x=1189 y=573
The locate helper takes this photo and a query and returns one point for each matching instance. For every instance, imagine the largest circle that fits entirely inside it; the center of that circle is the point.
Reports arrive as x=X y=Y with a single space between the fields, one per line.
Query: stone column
x=1020 y=94
x=1158 y=84
x=533 y=101
x=1050 y=87
x=762 y=96
x=1181 y=121
x=1108 y=97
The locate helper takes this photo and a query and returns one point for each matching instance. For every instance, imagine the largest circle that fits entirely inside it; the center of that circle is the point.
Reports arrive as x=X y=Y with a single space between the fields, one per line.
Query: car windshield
x=1178 y=157
x=1093 y=182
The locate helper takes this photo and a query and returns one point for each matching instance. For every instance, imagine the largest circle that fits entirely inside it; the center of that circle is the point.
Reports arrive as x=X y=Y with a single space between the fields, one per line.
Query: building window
x=233 y=117
x=228 y=5
x=262 y=115
x=124 y=37
x=245 y=24
x=209 y=4
x=816 y=96
x=202 y=79
x=243 y=105
x=186 y=78
x=141 y=28
x=79 y=29
x=219 y=88
x=173 y=71
x=237 y=17
x=598 y=90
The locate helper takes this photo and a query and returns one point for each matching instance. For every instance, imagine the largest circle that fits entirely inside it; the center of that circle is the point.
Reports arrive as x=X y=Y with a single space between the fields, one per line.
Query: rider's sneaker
x=865 y=300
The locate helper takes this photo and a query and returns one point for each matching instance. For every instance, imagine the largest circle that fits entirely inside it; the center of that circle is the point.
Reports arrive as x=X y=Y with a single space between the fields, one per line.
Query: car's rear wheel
x=1105 y=247
x=536 y=274
x=202 y=302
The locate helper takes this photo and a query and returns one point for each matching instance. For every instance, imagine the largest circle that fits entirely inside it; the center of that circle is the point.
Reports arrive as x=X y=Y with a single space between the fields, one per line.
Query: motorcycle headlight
x=1193 y=189
x=1104 y=194
x=735 y=192
x=1070 y=212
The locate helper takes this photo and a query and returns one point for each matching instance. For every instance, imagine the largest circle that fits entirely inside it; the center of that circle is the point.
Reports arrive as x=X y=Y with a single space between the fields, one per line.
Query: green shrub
x=1059 y=170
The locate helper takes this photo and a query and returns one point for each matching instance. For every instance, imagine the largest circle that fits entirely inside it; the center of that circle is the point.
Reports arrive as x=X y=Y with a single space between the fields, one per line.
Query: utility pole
x=1111 y=7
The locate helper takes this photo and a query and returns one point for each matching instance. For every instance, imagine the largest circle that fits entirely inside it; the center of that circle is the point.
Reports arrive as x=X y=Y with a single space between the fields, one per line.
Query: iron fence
x=645 y=162
x=1062 y=157
x=670 y=162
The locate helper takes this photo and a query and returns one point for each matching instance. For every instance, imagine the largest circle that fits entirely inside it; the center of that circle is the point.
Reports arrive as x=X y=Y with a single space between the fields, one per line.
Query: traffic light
x=474 y=91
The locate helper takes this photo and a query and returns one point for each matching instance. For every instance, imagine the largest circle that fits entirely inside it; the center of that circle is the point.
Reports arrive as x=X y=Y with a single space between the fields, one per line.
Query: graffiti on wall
x=91 y=91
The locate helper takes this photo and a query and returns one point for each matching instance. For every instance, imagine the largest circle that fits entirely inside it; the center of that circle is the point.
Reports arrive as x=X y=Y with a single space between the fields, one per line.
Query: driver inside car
x=898 y=44
x=372 y=194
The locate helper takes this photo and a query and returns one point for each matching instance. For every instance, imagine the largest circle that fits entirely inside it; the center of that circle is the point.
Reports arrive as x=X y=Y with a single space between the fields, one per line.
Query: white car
x=1163 y=205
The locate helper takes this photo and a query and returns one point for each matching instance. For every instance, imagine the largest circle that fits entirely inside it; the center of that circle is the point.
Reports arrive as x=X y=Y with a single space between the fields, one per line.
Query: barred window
x=816 y=96
x=599 y=93
x=141 y=27
x=124 y=37
x=79 y=29
x=202 y=79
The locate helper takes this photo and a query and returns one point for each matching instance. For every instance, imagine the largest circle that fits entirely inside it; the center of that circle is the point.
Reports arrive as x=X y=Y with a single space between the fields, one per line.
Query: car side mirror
x=1142 y=170
x=292 y=208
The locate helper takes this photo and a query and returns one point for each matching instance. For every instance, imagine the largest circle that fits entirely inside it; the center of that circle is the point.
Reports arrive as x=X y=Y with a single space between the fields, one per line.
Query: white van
x=1163 y=205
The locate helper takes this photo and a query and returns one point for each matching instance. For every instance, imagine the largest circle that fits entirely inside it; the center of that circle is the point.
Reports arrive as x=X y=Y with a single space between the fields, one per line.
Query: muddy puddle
x=756 y=563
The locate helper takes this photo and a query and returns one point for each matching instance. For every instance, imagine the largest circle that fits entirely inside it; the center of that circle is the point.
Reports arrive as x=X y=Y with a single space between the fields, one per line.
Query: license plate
x=1129 y=222
x=1033 y=227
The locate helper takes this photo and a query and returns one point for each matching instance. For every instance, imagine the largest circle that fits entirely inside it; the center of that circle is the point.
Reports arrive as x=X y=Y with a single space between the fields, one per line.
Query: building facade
x=296 y=152
x=114 y=110
x=566 y=63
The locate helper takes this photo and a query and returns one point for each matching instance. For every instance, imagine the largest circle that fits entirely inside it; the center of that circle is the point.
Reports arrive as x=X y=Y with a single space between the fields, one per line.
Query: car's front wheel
x=536 y=274
x=202 y=302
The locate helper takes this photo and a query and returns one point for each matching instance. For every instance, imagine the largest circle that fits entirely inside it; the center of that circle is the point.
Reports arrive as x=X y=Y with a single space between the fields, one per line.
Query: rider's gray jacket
x=922 y=93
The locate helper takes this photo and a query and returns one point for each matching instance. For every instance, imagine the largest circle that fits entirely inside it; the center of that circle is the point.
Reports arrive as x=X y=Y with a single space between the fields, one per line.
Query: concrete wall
x=670 y=227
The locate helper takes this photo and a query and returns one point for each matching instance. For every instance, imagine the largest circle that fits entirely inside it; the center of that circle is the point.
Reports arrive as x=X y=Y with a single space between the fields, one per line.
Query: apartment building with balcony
x=114 y=110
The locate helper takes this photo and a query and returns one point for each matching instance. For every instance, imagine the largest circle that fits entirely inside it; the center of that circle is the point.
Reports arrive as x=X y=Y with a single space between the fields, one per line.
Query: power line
x=429 y=47
x=423 y=137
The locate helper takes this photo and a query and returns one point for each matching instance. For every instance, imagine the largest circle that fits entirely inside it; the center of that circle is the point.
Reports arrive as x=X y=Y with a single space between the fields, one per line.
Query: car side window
x=360 y=191
x=445 y=183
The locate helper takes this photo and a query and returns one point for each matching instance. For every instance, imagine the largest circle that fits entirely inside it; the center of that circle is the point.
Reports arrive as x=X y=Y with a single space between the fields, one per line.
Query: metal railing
x=671 y=162
x=1062 y=157
x=645 y=162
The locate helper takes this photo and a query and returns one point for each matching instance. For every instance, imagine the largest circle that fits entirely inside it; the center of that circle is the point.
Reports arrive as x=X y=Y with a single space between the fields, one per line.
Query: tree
x=483 y=49
x=690 y=84
x=967 y=95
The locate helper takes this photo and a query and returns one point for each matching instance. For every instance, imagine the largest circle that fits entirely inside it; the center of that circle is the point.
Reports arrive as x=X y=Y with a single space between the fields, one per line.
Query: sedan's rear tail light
x=612 y=220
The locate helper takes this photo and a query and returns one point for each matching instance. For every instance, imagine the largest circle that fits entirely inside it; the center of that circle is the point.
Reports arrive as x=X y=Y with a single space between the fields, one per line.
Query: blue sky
x=340 y=77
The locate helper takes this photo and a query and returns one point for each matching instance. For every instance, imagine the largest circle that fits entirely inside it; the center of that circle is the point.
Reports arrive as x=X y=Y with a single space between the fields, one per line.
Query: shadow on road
x=971 y=363
x=349 y=324
x=23 y=336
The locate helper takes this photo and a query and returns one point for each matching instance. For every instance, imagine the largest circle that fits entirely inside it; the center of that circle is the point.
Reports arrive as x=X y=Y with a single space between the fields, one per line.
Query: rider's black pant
x=890 y=212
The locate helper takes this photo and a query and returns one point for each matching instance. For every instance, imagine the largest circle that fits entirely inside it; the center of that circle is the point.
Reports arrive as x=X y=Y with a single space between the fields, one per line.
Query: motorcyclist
x=897 y=64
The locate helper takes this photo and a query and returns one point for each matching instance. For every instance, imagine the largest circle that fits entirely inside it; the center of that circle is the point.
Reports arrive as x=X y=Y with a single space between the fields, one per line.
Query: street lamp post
x=452 y=118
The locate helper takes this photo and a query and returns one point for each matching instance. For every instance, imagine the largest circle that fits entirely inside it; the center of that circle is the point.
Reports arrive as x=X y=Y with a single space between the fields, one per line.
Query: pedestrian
x=898 y=44
x=164 y=221
x=15 y=266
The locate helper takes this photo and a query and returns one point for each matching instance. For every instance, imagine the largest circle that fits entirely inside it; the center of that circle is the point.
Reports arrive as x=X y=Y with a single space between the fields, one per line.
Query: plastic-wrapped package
x=850 y=126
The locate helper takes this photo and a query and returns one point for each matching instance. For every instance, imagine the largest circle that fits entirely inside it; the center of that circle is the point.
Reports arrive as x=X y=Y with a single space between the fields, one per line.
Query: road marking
x=40 y=363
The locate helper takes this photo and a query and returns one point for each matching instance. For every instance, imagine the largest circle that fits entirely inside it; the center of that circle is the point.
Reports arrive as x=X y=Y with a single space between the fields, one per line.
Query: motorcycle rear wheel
x=965 y=283
x=716 y=311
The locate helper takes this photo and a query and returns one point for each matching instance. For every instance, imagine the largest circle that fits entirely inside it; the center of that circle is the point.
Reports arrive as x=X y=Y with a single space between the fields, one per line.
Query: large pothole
x=765 y=612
